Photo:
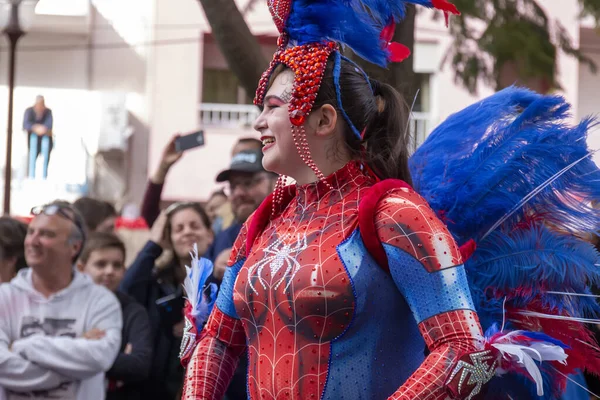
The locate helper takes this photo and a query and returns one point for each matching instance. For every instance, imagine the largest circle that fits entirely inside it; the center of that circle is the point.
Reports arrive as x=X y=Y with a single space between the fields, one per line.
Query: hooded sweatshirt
x=42 y=352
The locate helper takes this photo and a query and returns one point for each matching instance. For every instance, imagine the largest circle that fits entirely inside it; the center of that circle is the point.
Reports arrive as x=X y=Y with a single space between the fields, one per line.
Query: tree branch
x=239 y=46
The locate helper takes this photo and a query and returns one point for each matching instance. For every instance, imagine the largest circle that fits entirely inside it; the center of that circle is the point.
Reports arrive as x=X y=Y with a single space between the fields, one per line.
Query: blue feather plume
x=526 y=264
x=542 y=337
x=356 y=24
x=512 y=174
x=462 y=131
x=520 y=387
x=201 y=298
x=538 y=336
x=503 y=148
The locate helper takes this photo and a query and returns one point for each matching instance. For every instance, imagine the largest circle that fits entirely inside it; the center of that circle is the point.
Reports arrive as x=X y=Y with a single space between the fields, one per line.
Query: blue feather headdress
x=311 y=30
x=357 y=24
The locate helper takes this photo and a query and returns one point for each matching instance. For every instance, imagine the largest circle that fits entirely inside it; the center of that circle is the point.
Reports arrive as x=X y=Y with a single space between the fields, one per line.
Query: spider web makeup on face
x=308 y=64
x=286 y=96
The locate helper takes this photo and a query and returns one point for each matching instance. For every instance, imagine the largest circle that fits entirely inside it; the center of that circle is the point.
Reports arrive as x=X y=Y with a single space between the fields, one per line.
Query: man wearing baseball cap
x=249 y=185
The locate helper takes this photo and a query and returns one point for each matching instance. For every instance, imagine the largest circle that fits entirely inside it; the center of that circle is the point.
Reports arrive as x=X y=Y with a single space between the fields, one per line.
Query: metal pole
x=13 y=38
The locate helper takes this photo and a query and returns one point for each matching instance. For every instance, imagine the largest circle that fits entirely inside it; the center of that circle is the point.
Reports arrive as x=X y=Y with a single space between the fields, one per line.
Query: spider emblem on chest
x=279 y=254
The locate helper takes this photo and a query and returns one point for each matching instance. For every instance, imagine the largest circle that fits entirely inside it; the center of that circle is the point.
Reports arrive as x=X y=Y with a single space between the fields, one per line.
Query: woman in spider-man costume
x=346 y=284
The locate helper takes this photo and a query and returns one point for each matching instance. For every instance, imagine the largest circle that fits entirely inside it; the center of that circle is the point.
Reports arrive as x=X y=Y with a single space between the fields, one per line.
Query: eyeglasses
x=62 y=211
x=246 y=183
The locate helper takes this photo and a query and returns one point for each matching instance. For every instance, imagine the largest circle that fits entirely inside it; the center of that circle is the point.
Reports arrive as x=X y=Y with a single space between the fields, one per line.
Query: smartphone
x=189 y=141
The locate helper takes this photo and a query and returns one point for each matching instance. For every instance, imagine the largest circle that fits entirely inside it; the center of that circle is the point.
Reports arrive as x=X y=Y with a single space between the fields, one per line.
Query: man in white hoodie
x=59 y=332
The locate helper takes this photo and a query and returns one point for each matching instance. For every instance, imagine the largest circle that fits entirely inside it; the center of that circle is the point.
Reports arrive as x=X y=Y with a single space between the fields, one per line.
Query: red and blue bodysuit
x=321 y=319
x=350 y=288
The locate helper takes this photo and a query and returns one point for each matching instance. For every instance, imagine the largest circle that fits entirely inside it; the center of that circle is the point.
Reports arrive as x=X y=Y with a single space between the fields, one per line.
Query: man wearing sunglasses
x=59 y=332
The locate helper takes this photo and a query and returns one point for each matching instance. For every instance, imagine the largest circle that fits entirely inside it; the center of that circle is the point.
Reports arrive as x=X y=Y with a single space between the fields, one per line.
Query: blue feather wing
x=510 y=173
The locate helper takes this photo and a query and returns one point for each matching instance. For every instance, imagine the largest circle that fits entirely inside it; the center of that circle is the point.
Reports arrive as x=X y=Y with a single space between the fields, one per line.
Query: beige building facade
x=122 y=76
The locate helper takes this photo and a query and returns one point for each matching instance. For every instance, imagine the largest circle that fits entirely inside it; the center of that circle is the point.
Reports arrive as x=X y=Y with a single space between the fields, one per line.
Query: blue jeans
x=37 y=145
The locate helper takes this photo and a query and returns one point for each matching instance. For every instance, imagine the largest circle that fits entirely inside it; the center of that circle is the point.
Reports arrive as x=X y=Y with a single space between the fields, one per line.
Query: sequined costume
x=322 y=319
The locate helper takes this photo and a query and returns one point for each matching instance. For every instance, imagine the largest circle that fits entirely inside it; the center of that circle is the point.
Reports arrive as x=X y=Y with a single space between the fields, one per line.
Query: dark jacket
x=143 y=283
x=30 y=119
x=130 y=371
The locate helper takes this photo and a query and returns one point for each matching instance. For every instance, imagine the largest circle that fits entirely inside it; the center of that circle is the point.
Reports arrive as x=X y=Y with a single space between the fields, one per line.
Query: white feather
x=190 y=283
x=194 y=283
x=559 y=317
x=525 y=357
x=550 y=352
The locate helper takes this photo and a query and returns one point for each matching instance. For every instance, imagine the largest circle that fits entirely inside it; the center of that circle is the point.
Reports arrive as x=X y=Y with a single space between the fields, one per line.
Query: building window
x=420 y=123
x=221 y=86
x=423 y=102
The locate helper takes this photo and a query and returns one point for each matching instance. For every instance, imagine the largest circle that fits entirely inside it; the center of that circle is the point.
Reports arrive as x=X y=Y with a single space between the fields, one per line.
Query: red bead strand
x=299 y=135
x=278 y=195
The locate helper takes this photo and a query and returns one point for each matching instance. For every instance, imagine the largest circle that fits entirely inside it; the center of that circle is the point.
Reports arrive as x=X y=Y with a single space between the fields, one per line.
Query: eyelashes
x=271 y=106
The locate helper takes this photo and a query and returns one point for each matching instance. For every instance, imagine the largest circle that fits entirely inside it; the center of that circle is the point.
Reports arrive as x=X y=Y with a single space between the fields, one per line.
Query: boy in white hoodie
x=59 y=332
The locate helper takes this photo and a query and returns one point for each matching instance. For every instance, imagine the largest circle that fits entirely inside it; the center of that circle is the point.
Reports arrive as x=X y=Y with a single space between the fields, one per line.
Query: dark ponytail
x=375 y=108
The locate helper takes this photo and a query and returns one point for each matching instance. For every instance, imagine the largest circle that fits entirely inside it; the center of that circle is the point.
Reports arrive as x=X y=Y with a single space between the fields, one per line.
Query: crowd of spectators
x=78 y=322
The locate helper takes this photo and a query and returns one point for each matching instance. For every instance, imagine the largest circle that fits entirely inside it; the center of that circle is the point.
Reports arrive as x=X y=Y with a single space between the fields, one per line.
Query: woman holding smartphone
x=158 y=288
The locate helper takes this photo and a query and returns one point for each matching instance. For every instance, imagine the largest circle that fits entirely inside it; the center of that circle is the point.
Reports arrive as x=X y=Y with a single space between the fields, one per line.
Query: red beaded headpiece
x=311 y=30
x=307 y=62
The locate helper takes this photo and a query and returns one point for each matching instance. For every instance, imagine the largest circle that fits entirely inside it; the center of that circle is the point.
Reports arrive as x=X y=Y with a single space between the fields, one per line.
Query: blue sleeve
x=225 y=297
x=28 y=120
x=428 y=293
x=48 y=120
x=138 y=278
